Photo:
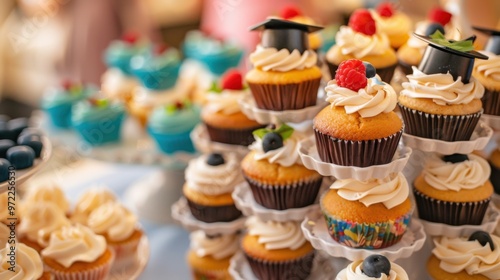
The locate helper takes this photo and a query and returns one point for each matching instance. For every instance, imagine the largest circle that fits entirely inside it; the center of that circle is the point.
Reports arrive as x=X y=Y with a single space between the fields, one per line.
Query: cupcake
x=373 y=267
x=410 y=54
x=217 y=55
x=4 y=233
x=47 y=193
x=487 y=72
x=27 y=265
x=120 y=228
x=98 y=121
x=453 y=190
x=277 y=250
x=474 y=257
x=441 y=100
x=275 y=172
x=75 y=252
x=210 y=181
x=285 y=75
x=370 y=214
x=494 y=161
x=8 y=217
x=58 y=101
x=222 y=116
x=393 y=23
x=171 y=126
x=360 y=40
x=89 y=201
x=360 y=127
x=209 y=255
x=118 y=86
x=293 y=13
x=39 y=221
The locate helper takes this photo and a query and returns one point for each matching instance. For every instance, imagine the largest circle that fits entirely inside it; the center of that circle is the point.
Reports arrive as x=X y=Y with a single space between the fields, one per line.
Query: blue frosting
x=119 y=54
x=164 y=121
x=157 y=72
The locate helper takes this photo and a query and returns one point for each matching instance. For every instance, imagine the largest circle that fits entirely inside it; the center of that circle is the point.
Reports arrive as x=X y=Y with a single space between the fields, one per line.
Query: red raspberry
x=130 y=37
x=232 y=80
x=385 y=9
x=361 y=21
x=290 y=11
x=440 y=16
x=160 y=48
x=351 y=74
x=67 y=84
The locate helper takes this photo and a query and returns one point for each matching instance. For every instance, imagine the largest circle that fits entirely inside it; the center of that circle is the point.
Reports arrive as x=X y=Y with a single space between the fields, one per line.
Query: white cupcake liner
x=492 y=121
x=182 y=214
x=243 y=198
x=315 y=230
x=250 y=109
x=202 y=143
x=489 y=224
x=323 y=267
x=478 y=141
x=310 y=158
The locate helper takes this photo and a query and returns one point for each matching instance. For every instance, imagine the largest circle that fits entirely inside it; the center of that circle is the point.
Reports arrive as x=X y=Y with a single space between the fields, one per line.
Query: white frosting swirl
x=398 y=23
x=40 y=220
x=48 y=193
x=74 y=243
x=28 y=264
x=458 y=254
x=91 y=200
x=466 y=175
x=391 y=191
x=490 y=68
x=115 y=83
x=276 y=235
x=441 y=88
x=272 y=59
x=376 y=98
x=353 y=272
x=214 y=180
x=360 y=45
x=113 y=220
x=151 y=98
x=4 y=209
x=287 y=155
x=219 y=247
x=225 y=102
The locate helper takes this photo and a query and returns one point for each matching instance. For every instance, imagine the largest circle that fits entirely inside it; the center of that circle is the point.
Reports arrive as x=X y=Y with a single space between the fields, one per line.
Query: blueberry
x=370 y=70
x=432 y=28
x=17 y=126
x=5 y=144
x=4 y=170
x=455 y=158
x=21 y=157
x=215 y=159
x=31 y=131
x=375 y=265
x=31 y=140
x=272 y=141
x=4 y=118
x=5 y=132
x=483 y=238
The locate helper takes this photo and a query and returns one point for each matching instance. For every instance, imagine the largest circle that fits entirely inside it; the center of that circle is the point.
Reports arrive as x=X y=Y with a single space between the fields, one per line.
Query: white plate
x=323 y=268
x=310 y=158
x=202 y=143
x=243 y=198
x=489 y=224
x=478 y=141
x=182 y=214
x=250 y=109
x=134 y=270
x=24 y=174
x=315 y=230
x=492 y=121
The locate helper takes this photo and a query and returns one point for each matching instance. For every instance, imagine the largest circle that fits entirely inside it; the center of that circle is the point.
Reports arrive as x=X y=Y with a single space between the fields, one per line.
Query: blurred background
x=43 y=41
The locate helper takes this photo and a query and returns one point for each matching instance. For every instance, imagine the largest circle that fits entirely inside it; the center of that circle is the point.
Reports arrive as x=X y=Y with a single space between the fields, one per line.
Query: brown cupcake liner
x=296 y=269
x=214 y=214
x=495 y=178
x=491 y=102
x=405 y=67
x=281 y=197
x=385 y=74
x=441 y=127
x=451 y=213
x=357 y=153
x=100 y=272
x=281 y=97
x=243 y=137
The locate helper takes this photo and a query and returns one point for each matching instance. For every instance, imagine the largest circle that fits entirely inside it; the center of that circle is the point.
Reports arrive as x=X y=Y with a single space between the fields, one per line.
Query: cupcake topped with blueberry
x=360 y=123
x=395 y=24
x=119 y=53
x=361 y=40
x=373 y=267
x=470 y=257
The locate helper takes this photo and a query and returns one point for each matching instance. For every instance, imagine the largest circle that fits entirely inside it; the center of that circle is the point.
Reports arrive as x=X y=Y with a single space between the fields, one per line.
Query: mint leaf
x=285 y=131
x=261 y=132
x=215 y=88
x=437 y=35
x=462 y=46
x=170 y=109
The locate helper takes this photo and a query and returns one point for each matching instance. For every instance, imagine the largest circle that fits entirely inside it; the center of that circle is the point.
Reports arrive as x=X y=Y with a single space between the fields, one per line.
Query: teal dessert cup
x=120 y=52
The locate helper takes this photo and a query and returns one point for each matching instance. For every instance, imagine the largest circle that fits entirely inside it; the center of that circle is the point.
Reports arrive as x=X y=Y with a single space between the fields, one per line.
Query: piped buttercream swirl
x=276 y=235
x=272 y=59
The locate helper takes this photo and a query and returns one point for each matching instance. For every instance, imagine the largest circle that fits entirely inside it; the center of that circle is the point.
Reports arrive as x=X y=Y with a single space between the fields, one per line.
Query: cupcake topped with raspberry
x=395 y=24
x=120 y=52
x=293 y=13
x=361 y=40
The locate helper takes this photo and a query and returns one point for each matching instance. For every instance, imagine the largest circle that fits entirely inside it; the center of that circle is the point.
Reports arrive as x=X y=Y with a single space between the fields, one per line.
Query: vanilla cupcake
x=89 y=201
x=47 y=193
x=372 y=267
x=27 y=265
x=75 y=252
x=393 y=23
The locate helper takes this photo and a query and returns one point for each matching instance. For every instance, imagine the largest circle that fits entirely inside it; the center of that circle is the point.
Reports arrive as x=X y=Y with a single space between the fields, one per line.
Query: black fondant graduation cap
x=442 y=59
x=493 y=44
x=285 y=34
